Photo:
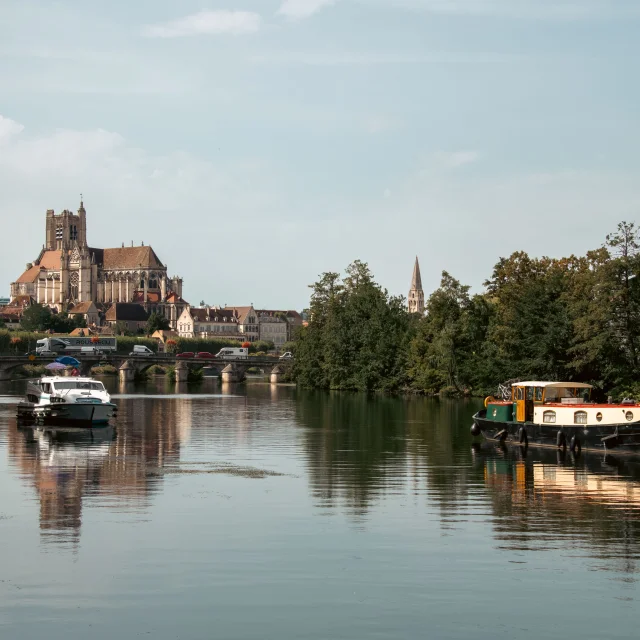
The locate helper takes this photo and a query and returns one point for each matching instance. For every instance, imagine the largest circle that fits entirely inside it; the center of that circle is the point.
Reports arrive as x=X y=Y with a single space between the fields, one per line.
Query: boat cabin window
x=529 y=393
x=556 y=394
x=538 y=394
x=549 y=416
x=519 y=393
x=580 y=417
x=46 y=387
x=78 y=384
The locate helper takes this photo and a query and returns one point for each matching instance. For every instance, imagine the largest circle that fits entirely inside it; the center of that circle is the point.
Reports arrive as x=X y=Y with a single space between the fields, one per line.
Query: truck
x=74 y=344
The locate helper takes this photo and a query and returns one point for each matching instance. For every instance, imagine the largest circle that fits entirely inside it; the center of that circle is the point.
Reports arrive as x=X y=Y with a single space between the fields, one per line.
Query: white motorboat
x=61 y=400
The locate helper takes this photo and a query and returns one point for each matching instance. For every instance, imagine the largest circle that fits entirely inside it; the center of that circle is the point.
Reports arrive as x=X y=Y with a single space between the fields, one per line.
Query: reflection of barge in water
x=559 y=414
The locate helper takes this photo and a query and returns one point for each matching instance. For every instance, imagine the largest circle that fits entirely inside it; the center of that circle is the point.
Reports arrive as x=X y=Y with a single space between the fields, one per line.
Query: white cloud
x=206 y=23
x=165 y=199
x=455 y=159
x=8 y=128
x=380 y=124
x=300 y=9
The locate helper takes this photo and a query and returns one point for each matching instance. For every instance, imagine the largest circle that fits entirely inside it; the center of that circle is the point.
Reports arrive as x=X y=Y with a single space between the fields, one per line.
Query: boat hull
x=76 y=414
x=611 y=436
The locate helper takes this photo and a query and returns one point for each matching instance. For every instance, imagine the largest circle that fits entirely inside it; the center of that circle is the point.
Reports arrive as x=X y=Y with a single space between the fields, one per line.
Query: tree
x=356 y=337
x=37 y=317
x=156 y=322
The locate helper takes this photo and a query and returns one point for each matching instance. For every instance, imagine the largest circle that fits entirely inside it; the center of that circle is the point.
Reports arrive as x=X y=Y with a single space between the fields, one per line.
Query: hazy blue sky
x=256 y=144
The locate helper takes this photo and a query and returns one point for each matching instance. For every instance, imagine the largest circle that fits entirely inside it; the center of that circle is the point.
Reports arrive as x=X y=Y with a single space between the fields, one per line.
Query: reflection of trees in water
x=64 y=466
x=355 y=446
x=546 y=500
x=360 y=448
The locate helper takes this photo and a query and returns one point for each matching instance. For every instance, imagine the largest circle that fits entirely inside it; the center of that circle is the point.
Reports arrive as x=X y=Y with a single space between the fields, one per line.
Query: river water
x=257 y=512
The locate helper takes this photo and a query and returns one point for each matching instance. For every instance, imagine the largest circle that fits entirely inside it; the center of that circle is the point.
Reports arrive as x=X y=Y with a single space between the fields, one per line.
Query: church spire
x=416 y=294
x=416 y=281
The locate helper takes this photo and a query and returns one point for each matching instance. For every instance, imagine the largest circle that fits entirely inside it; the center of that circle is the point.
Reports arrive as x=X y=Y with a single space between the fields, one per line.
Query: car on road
x=186 y=354
x=286 y=356
x=141 y=350
x=204 y=355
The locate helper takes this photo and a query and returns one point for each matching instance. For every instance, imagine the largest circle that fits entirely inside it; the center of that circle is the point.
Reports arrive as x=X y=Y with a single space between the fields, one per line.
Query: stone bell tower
x=66 y=229
x=416 y=294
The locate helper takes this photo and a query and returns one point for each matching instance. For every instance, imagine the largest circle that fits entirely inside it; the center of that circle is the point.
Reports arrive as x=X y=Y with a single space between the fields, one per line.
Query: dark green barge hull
x=576 y=437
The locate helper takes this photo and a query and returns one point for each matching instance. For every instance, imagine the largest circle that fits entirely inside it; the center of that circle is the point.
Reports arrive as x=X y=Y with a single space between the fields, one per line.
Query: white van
x=231 y=353
x=141 y=350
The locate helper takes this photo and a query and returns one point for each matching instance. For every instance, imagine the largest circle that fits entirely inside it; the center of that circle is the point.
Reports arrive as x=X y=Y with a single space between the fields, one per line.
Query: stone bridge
x=230 y=369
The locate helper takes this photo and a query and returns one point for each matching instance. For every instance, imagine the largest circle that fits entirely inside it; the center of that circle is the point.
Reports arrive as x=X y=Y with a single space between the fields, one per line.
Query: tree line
x=575 y=318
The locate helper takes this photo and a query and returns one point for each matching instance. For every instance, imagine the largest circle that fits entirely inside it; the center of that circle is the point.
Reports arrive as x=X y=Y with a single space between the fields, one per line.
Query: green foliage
x=357 y=337
x=156 y=322
x=29 y=371
x=37 y=317
x=212 y=345
x=289 y=346
x=104 y=370
x=18 y=341
x=261 y=346
x=574 y=318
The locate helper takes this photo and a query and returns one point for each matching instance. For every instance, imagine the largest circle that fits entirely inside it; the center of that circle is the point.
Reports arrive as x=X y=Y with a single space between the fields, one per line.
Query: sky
x=258 y=143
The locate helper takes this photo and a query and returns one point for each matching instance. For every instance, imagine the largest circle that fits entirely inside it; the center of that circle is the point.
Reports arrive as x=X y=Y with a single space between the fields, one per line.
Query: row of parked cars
x=205 y=355
x=228 y=352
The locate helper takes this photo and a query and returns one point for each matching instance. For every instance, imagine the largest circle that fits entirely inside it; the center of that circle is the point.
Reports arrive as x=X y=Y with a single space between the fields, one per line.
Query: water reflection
x=355 y=454
x=545 y=500
x=67 y=465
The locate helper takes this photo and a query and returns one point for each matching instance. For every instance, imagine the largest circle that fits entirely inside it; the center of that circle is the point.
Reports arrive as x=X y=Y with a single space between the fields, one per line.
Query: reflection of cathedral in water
x=67 y=466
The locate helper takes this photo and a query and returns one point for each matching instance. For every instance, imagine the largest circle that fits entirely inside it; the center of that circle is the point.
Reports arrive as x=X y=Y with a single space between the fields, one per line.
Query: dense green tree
x=156 y=322
x=37 y=317
x=574 y=318
x=357 y=335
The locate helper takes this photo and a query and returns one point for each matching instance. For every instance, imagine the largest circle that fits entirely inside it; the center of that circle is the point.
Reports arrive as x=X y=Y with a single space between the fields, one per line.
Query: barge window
x=72 y=384
x=529 y=393
x=549 y=416
x=580 y=417
x=519 y=393
x=629 y=416
x=599 y=417
x=538 y=394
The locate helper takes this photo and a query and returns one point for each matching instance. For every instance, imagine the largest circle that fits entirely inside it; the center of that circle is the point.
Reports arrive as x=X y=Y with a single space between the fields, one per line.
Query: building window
x=580 y=417
x=549 y=417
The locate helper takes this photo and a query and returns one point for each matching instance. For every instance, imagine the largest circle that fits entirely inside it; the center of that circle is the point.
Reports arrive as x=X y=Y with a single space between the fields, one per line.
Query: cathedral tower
x=66 y=229
x=416 y=295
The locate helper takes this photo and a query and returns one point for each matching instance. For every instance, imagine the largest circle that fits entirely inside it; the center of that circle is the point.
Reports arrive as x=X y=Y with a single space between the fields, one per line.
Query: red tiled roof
x=174 y=298
x=241 y=312
x=51 y=260
x=152 y=296
x=30 y=275
x=131 y=258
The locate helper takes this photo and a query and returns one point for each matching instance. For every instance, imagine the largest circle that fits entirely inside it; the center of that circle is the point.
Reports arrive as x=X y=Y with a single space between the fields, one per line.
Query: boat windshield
x=556 y=394
x=78 y=384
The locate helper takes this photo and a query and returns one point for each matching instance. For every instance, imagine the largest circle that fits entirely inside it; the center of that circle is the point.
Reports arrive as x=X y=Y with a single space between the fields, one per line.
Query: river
x=270 y=513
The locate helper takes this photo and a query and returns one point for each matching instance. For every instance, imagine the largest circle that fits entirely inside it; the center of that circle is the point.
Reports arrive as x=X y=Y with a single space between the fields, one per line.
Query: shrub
x=104 y=370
